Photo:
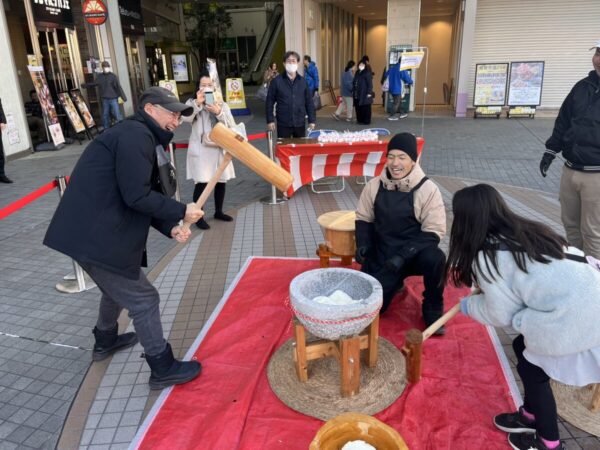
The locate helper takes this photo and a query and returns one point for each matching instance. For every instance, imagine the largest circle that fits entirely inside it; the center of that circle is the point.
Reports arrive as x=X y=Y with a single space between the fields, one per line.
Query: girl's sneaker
x=335 y=116
x=514 y=422
x=528 y=441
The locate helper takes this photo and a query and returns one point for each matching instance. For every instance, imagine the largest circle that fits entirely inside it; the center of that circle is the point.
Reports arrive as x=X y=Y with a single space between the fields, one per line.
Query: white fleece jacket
x=556 y=306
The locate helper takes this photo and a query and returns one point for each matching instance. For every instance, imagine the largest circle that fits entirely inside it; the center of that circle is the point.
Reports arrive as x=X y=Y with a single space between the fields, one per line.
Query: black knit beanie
x=406 y=142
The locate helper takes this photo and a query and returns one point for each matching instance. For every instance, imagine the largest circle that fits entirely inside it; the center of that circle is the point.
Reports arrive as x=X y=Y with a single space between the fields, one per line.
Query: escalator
x=264 y=52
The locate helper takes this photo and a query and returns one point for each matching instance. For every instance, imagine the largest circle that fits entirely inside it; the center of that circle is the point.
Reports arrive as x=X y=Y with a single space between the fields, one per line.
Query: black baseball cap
x=165 y=98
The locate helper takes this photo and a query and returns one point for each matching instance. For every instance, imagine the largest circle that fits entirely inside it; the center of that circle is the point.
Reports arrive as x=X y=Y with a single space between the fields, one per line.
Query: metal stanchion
x=272 y=199
x=174 y=162
x=79 y=281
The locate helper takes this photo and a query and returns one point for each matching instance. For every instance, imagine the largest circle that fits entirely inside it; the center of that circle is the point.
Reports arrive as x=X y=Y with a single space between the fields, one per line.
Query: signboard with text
x=131 y=16
x=52 y=13
x=94 y=12
x=48 y=109
x=490 y=84
x=525 y=85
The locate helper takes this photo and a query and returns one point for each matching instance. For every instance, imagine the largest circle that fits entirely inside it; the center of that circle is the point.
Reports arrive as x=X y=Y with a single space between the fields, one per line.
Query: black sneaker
x=514 y=422
x=528 y=441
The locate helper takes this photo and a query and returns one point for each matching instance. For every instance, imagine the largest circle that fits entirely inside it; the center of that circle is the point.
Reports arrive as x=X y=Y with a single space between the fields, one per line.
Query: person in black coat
x=3 y=177
x=103 y=219
x=577 y=135
x=362 y=92
x=290 y=92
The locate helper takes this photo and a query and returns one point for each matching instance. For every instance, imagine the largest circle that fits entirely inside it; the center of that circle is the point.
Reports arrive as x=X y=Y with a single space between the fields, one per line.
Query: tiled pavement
x=41 y=383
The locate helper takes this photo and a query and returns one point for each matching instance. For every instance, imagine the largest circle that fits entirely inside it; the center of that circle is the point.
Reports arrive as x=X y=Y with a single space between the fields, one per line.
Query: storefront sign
x=170 y=85
x=72 y=113
x=411 y=60
x=82 y=107
x=131 y=16
x=52 y=13
x=180 y=67
x=490 y=84
x=525 y=86
x=48 y=109
x=94 y=12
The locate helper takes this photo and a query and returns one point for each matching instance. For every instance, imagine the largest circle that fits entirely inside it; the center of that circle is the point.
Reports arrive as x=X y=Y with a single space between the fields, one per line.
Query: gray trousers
x=139 y=297
x=398 y=107
x=580 y=209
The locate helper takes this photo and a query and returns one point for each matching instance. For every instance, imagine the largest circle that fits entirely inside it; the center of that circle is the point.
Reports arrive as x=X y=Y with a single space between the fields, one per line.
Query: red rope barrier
x=13 y=207
x=250 y=137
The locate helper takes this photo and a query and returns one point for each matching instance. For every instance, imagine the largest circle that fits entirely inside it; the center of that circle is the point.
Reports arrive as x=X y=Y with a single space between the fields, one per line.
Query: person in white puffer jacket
x=525 y=276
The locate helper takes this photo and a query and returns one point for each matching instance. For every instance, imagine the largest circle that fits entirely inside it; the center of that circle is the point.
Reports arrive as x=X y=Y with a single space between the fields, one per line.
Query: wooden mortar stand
x=413 y=344
x=345 y=350
x=339 y=237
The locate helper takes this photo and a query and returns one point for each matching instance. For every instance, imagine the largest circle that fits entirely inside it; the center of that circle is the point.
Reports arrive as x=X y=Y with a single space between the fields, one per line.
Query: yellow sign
x=170 y=85
x=411 y=60
x=234 y=94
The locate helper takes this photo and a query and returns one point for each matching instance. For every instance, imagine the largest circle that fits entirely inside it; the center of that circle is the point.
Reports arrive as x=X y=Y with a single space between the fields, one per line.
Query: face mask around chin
x=106 y=70
x=291 y=68
x=361 y=67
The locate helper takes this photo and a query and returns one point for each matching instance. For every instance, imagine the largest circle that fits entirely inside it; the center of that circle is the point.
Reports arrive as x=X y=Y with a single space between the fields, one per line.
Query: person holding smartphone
x=204 y=156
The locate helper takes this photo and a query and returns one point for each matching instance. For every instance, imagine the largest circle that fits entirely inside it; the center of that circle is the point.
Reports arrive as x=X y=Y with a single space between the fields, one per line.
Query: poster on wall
x=82 y=107
x=48 y=109
x=180 y=67
x=525 y=85
x=72 y=114
x=12 y=131
x=490 y=84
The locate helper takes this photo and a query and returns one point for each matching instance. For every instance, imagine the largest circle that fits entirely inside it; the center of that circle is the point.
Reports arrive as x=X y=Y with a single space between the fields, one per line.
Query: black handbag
x=167 y=175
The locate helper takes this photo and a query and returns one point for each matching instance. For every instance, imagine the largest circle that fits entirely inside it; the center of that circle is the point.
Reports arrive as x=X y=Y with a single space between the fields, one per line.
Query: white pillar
x=293 y=15
x=10 y=93
x=119 y=63
x=466 y=51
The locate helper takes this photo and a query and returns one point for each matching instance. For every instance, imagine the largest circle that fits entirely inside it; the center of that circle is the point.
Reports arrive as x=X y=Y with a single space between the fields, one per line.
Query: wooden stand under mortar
x=339 y=237
x=345 y=350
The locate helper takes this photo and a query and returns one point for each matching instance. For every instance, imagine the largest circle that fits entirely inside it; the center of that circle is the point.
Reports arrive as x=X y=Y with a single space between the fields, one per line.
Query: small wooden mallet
x=413 y=344
x=235 y=145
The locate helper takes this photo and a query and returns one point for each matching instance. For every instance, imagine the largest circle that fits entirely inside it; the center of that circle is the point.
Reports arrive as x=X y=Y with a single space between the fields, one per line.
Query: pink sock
x=527 y=415
x=550 y=444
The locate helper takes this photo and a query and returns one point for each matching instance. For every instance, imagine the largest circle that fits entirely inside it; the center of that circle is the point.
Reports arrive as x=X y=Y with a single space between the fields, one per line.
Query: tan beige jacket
x=429 y=206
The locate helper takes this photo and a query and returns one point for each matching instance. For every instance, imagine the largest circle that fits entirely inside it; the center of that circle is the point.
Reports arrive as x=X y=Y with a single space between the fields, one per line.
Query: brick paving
x=53 y=396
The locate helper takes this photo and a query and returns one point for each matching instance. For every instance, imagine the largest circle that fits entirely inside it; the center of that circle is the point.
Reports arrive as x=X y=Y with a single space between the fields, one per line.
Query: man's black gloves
x=395 y=263
x=545 y=163
x=361 y=254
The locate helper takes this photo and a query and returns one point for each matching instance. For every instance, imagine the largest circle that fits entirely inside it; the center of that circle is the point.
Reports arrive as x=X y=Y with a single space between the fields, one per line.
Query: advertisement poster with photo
x=490 y=84
x=48 y=109
x=180 y=67
x=84 y=111
x=525 y=85
x=72 y=114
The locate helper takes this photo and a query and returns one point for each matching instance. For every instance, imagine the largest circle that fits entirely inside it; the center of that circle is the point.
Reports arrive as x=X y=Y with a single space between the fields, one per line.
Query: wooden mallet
x=413 y=344
x=235 y=145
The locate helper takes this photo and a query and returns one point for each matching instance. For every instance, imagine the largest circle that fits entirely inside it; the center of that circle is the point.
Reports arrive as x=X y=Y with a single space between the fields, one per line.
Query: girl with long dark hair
x=526 y=277
x=346 y=91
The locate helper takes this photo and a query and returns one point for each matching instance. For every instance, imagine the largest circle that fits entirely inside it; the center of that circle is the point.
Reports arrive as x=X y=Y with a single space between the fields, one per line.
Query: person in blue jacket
x=397 y=79
x=290 y=92
x=114 y=196
x=346 y=91
x=311 y=73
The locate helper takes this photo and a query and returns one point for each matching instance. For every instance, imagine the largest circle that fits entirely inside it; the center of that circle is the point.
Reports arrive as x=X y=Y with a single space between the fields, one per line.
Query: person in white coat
x=525 y=276
x=204 y=156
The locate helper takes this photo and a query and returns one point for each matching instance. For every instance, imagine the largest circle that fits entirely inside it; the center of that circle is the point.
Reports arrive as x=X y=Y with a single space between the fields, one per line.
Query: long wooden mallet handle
x=211 y=185
x=413 y=345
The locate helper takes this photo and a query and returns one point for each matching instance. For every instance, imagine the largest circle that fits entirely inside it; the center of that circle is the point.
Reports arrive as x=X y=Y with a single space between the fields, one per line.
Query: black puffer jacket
x=577 y=128
x=113 y=198
x=293 y=99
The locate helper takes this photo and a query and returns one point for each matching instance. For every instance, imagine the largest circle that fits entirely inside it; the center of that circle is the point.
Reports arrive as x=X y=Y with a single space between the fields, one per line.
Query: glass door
x=135 y=68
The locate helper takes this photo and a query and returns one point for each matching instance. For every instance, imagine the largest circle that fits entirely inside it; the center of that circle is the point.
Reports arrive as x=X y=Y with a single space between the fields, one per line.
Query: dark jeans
x=139 y=297
x=397 y=107
x=290 y=132
x=363 y=113
x=539 y=399
x=429 y=263
x=110 y=106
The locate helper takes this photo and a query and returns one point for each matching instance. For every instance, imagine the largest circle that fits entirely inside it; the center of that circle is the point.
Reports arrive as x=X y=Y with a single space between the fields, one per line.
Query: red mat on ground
x=231 y=405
